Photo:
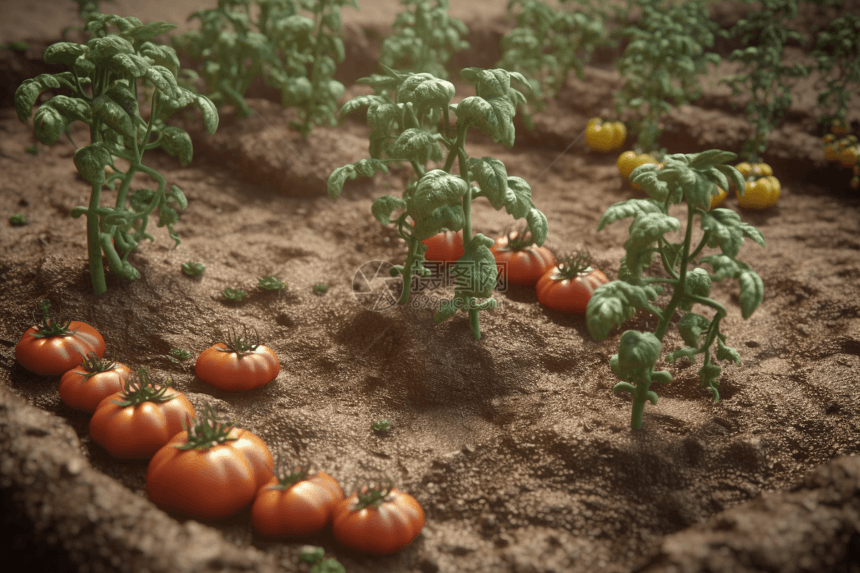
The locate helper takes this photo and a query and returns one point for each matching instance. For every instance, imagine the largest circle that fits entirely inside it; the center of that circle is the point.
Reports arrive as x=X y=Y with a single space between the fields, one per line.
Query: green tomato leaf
x=537 y=225
x=129 y=65
x=723 y=228
x=691 y=327
x=101 y=50
x=492 y=178
x=126 y=100
x=29 y=90
x=708 y=375
x=646 y=177
x=711 y=158
x=475 y=274
x=521 y=205
x=210 y=113
x=425 y=92
x=176 y=195
x=361 y=101
x=687 y=352
x=384 y=206
x=113 y=115
x=647 y=228
x=90 y=161
x=613 y=304
x=147 y=31
x=364 y=168
x=161 y=56
x=724 y=266
x=414 y=144
x=50 y=124
x=629 y=208
x=163 y=80
x=482 y=114
x=727 y=352
x=72 y=108
x=752 y=292
x=435 y=189
x=445 y=217
x=177 y=143
x=637 y=354
x=64 y=53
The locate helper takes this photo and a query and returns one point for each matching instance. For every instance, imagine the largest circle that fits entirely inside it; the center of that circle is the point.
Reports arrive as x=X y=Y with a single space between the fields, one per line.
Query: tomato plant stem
x=94 y=249
x=680 y=286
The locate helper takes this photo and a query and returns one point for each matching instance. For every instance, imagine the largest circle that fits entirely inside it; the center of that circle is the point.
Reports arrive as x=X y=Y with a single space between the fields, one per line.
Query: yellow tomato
x=760 y=194
x=717 y=200
x=744 y=168
x=830 y=153
x=848 y=156
x=838 y=127
x=604 y=137
x=829 y=138
x=645 y=159
x=627 y=163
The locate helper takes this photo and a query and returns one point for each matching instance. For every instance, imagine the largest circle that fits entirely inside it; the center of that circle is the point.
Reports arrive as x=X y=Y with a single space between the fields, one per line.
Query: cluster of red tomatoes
x=202 y=467
x=566 y=287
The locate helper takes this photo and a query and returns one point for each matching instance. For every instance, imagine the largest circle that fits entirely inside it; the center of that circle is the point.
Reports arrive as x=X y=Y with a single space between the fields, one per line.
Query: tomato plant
x=445 y=247
x=210 y=471
x=693 y=179
x=521 y=259
x=718 y=199
x=298 y=505
x=137 y=421
x=605 y=136
x=94 y=379
x=377 y=520
x=568 y=286
x=55 y=346
x=239 y=364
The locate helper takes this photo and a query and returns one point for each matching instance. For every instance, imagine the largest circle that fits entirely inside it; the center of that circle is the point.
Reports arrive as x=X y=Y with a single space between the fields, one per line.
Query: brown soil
x=515 y=445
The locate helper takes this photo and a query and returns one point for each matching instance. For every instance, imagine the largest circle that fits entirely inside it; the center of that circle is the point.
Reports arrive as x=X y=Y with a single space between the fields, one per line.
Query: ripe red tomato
x=137 y=422
x=238 y=365
x=446 y=246
x=525 y=262
x=299 y=505
x=84 y=386
x=211 y=471
x=377 y=520
x=53 y=347
x=568 y=286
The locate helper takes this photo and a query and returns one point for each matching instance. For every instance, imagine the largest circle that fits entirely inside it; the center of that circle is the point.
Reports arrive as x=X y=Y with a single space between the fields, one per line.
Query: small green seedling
x=271 y=283
x=548 y=42
x=234 y=294
x=104 y=79
x=17 y=220
x=662 y=63
x=193 y=269
x=424 y=38
x=381 y=427
x=411 y=105
x=32 y=150
x=16 y=46
x=314 y=557
x=693 y=180
x=763 y=80
x=177 y=354
x=320 y=289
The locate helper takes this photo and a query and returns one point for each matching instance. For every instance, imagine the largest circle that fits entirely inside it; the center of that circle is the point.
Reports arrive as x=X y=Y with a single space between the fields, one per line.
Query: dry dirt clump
x=515 y=445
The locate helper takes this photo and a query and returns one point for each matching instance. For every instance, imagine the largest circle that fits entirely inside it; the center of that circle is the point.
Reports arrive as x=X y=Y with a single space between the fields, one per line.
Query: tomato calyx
x=244 y=343
x=46 y=325
x=297 y=475
x=573 y=265
x=141 y=389
x=517 y=242
x=372 y=496
x=95 y=365
x=207 y=432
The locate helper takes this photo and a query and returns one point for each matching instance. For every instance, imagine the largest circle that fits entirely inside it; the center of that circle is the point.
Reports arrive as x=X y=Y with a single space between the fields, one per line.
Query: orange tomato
x=568 y=286
x=446 y=246
x=84 y=386
x=211 y=471
x=301 y=504
x=524 y=265
x=377 y=521
x=240 y=365
x=53 y=347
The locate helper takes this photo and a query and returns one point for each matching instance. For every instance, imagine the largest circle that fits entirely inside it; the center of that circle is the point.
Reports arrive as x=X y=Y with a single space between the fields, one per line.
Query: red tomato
x=53 y=347
x=299 y=505
x=446 y=246
x=211 y=471
x=137 y=422
x=526 y=263
x=239 y=365
x=91 y=382
x=568 y=287
x=377 y=521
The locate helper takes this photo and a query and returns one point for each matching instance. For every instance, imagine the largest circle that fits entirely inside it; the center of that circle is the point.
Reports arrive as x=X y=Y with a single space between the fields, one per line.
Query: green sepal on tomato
x=523 y=262
x=94 y=379
x=240 y=364
x=210 y=471
x=568 y=286
x=377 y=520
x=55 y=346
x=300 y=504
x=139 y=420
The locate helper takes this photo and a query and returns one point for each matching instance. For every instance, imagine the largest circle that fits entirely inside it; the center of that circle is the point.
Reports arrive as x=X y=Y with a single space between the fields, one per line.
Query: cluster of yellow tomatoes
x=199 y=466
x=605 y=136
x=844 y=150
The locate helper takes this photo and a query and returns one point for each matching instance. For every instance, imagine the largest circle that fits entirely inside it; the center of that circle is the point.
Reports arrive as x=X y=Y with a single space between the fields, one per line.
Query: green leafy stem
x=692 y=179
